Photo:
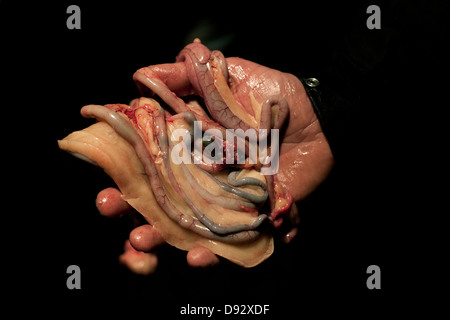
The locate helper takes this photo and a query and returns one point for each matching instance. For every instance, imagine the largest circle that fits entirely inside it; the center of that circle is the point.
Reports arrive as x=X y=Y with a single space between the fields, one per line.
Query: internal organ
x=227 y=208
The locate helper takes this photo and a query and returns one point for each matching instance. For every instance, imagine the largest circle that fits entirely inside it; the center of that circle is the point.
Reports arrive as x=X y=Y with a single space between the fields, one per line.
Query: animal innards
x=210 y=145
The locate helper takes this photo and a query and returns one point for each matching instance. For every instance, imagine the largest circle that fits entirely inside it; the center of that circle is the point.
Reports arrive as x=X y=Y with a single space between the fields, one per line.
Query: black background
x=371 y=210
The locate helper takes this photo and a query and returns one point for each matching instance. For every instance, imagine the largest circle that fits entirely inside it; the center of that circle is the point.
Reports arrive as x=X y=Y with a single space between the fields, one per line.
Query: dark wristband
x=332 y=101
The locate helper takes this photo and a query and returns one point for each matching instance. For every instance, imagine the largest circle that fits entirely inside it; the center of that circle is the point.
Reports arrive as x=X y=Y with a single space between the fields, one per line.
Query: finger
x=293 y=220
x=201 y=257
x=137 y=261
x=110 y=203
x=288 y=237
x=146 y=238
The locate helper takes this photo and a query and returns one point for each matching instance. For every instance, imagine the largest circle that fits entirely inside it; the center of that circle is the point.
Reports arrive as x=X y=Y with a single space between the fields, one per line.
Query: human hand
x=305 y=156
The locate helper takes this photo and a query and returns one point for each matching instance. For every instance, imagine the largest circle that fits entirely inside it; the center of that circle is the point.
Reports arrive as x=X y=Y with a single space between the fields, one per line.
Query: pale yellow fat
x=117 y=157
x=224 y=90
